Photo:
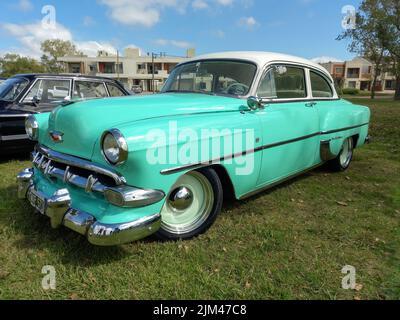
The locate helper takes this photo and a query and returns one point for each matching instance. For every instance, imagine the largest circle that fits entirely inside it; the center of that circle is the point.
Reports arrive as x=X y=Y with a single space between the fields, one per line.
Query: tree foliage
x=377 y=36
x=54 y=49
x=12 y=64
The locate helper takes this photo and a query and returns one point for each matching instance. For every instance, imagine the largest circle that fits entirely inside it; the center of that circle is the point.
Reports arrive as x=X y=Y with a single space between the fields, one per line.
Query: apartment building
x=131 y=69
x=358 y=74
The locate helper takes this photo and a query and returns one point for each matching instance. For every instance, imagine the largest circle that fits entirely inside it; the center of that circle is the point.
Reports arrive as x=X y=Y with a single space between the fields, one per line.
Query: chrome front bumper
x=58 y=209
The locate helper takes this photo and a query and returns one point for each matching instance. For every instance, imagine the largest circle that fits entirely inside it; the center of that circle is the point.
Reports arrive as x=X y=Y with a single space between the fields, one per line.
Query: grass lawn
x=288 y=243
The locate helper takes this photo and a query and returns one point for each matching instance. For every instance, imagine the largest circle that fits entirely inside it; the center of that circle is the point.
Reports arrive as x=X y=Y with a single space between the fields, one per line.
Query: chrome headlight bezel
x=32 y=128
x=119 y=143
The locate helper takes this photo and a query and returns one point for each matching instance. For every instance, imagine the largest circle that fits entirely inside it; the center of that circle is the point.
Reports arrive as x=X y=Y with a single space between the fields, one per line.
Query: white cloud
x=139 y=12
x=325 y=59
x=248 y=22
x=30 y=36
x=174 y=43
x=25 y=5
x=199 y=4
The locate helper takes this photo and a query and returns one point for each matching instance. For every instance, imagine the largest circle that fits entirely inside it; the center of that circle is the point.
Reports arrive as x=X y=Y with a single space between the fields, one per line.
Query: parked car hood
x=83 y=123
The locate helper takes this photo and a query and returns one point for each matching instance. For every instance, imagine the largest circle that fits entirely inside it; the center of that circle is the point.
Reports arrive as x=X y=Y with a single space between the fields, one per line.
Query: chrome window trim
x=90 y=80
x=17 y=99
x=330 y=83
x=306 y=77
x=264 y=69
x=46 y=78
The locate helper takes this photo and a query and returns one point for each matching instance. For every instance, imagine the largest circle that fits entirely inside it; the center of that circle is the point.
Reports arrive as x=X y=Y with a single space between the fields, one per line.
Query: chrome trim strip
x=16 y=115
x=80 y=163
x=244 y=153
x=14 y=137
x=344 y=129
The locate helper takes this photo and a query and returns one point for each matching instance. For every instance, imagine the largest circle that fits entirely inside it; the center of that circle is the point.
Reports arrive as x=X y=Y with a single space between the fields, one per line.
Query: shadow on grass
x=231 y=203
x=20 y=156
x=33 y=231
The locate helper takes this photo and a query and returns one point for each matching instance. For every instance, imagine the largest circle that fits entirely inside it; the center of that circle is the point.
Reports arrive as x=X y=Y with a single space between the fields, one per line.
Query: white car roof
x=262 y=58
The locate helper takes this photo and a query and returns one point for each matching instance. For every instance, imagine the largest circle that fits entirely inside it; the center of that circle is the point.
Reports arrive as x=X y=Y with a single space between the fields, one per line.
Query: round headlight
x=32 y=128
x=114 y=147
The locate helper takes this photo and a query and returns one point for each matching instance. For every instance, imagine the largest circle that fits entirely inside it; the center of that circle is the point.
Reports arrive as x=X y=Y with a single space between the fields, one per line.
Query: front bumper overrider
x=58 y=208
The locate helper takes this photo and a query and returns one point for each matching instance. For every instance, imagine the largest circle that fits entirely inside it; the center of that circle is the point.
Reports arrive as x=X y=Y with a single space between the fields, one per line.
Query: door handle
x=311 y=104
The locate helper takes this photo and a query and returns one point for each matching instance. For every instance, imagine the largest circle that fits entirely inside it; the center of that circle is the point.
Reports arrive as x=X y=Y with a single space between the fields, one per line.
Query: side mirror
x=35 y=100
x=255 y=103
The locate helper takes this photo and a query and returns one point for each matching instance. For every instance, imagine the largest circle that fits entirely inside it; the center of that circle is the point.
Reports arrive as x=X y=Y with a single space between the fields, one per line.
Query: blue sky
x=306 y=28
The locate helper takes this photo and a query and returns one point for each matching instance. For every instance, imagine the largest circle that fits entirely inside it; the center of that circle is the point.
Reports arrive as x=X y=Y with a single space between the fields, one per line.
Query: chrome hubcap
x=181 y=198
x=346 y=153
x=188 y=205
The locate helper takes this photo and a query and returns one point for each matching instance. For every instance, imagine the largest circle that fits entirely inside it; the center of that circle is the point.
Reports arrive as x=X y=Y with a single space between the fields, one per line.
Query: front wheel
x=343 y=160
x=192 y=205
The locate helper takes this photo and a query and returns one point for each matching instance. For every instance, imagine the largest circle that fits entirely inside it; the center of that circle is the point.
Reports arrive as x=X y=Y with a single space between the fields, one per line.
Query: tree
x=55 y=49
x=365 y=40
x=377 y=35
x=12 y=64
x=389 y=12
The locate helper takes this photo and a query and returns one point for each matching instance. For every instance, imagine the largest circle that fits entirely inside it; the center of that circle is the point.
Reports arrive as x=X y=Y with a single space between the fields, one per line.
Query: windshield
x=11 y=88
x=212 y=77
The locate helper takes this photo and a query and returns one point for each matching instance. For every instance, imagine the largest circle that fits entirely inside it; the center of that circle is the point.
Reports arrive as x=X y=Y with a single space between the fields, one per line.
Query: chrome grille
x=75 y=171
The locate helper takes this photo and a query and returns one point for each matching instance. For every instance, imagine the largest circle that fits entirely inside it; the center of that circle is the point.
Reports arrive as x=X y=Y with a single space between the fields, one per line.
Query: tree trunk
x=373 y=87
x=397 y=94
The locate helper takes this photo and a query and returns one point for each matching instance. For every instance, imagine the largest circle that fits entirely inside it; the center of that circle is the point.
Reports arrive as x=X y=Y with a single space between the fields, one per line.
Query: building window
x=339 y=70
x=389 y=85
x=74 y=68
x=352 y=84
x=353 y=73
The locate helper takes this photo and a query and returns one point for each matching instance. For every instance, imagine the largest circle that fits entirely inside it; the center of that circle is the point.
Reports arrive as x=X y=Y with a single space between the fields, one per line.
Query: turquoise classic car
x=229 y=124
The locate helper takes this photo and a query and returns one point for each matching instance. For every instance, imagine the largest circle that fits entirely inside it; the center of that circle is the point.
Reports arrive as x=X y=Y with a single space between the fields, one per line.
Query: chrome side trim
x=325 y=151
x=344 y=129
x=16 y=115
x=80 y=163
x=244 y=153
x=14 y=137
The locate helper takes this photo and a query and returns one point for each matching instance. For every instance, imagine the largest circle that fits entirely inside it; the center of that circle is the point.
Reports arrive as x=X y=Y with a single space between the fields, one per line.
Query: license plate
x=37 y=201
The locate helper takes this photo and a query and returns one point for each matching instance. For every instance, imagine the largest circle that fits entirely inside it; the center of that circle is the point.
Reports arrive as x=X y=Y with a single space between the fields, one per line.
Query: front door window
x=283 y=82
x=47 y=91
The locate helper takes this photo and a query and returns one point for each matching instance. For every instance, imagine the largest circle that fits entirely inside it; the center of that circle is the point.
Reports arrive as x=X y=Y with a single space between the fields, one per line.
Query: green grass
x=288 y=243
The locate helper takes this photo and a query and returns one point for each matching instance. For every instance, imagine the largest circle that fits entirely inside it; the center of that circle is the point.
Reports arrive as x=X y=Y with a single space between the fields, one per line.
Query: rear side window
x=114 y=90
x=283 y=82
x=320 y=86
x=89 y=90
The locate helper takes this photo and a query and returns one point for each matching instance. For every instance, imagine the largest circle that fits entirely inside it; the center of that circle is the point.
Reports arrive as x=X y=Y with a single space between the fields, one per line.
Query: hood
x=83 y=123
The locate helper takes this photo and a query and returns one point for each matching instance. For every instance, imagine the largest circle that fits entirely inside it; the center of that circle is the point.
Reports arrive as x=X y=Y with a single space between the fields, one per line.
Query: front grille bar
x=42 y=153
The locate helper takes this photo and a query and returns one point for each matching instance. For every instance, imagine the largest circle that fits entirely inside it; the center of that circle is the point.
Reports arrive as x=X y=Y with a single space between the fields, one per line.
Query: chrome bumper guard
x=58 y=209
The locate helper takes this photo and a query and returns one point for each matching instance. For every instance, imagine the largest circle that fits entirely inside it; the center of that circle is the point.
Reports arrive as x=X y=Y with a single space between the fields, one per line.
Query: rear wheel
x=343 y=160
x=192 y=205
